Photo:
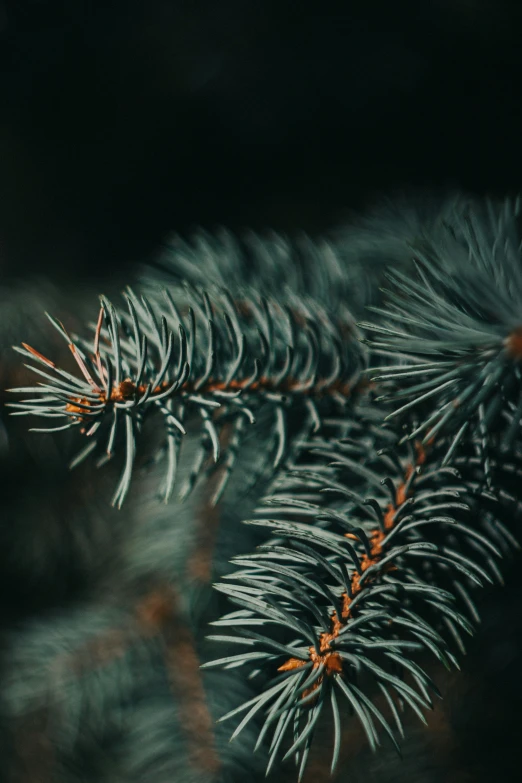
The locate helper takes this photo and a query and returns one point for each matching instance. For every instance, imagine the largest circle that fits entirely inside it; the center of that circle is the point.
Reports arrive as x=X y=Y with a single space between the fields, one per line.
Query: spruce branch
x=455 y=330
x=375 y=544
x=326 y=270
x=375 y=556
x=187 y=355
x=341 y=269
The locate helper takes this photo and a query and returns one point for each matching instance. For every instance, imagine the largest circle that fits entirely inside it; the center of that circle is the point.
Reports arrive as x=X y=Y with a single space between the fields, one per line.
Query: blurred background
x=124 y=120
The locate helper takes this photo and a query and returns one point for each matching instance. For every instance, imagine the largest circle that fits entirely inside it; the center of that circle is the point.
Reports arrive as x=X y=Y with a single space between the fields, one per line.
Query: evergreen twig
x=455 y=330
x=197 y=356
x=373 y=559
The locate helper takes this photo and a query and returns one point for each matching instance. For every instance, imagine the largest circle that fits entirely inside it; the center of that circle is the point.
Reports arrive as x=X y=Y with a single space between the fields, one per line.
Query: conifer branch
x=355 y=581
x=455 y=330
x=376 y=556
x=379 y=525
x=197 y=356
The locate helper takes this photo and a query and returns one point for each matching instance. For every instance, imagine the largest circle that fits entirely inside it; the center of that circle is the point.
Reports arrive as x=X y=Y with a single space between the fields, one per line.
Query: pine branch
x=374 y=559
x=374 y=546
x=202 y=357
x=340 y=270
x=456 y=331
x=325 y=269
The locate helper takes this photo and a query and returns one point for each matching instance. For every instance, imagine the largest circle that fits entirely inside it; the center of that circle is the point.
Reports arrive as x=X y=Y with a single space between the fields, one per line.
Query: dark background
x=121 y=121
x=124 y=120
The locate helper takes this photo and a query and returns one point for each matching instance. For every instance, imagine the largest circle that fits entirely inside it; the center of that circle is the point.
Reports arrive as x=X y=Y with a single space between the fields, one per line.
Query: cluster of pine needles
x=389 y=455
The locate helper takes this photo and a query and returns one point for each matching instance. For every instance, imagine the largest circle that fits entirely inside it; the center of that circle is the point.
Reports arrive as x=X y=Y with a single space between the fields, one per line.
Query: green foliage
x=370 y=561
x=187 y=355
x=454 y=327
x=378 y=523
